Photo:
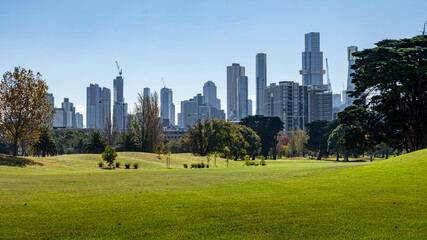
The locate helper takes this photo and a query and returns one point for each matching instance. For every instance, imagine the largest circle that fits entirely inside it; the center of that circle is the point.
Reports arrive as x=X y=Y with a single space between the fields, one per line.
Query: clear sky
x=75 y=43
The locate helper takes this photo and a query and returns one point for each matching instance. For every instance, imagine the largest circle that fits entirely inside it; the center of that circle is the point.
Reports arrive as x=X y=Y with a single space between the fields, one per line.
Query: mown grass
x=70 y=197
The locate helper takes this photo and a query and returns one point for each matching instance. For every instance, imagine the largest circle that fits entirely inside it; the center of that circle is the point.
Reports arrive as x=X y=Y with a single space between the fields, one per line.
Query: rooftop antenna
x=118 y=68
x=164 y=85
x=327 y=76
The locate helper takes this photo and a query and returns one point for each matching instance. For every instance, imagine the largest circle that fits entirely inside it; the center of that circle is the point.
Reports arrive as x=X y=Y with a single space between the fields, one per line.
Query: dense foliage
x=45 y=146
x=318 y=132
x=109 y=155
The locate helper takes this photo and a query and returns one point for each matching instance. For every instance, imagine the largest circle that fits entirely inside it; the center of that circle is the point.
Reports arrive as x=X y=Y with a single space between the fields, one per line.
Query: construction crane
x=118 y=68
x=164 y=85
x=327 y=76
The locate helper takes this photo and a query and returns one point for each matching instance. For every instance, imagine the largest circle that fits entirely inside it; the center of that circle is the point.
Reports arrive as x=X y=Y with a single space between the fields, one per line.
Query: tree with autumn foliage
x=24 y=107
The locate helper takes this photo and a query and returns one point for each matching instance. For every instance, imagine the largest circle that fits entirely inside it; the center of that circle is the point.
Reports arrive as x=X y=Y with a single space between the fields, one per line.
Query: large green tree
x=24 y=107
x=318 y=132
x=391 y=83
x=45 y=145
x=267 y=129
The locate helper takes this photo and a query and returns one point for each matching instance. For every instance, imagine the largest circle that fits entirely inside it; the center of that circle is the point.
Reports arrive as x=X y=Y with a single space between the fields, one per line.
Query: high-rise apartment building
x=261 y=81
x=167 y=114
x=233 y=72
x=319 y=103
x=312 y=61
x=242 y=97
x=98 y=106
x=196 y=109
x=289 y=102
x=209 y=92
x=120 y=108
x=350 y=86
x=79 y=120
x=65 y=117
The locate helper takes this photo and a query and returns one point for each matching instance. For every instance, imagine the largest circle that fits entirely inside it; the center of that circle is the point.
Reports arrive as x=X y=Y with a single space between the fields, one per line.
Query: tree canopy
x=391 y=85
x=24 y=107
x=319 y=131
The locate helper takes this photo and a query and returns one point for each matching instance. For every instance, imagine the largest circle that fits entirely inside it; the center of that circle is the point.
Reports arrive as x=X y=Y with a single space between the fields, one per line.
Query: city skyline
x=75 y=44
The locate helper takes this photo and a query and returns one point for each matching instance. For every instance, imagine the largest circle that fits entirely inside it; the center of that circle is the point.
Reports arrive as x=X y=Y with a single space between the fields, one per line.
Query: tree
x=197 y=138
x=127 y=141
x=109 y=155
x=253 y=140
x=45 y=145
x=266 y=128
x=334 y=145
x=391 y=83
x=146 y=125
x=24 y=107
x=318 y=132
x=296 y=143
x=95 y=143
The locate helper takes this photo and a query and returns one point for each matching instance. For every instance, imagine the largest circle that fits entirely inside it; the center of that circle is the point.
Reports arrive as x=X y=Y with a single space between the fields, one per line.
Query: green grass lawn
x=70 y=197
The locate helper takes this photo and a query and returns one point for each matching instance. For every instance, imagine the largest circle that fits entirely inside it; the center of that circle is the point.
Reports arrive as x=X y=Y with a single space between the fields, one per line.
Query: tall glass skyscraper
x=209 y=92
x=120 y=107
x=98 y=106
x=233 y=72
x=312 y=60
x=261 y=81
x=242 y=97
x=167 y=109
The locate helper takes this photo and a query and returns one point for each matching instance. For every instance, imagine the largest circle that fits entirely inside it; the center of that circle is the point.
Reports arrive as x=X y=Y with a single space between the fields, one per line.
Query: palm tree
x=96 y=143
x=127 y=142
x=45 y=145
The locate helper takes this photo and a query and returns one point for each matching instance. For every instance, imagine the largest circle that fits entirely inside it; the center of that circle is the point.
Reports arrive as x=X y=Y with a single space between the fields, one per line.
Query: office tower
x=70 y=112
x=242 y=97
x=79 y=120
x=233 y=72
x=120 y=108
x=189 y=112
x=336 y=100
x=172 y=119
x=319 y=103
x=350 y=86
x=105 y=107
x=312 y=60
x=180 y=120
x=166 y=98
x=146 y=92
x=289 y=102
x=93 y=96
x=261 y=81
x=209 y=92
x=250 y=107
x=59 y=118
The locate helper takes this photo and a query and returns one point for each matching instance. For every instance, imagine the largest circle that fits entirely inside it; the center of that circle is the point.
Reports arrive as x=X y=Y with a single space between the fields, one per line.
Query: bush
x=185 y=165
x=100 y=164
x=109 y=155
x=200 y=165
x=247 y=158
x=127 y=165
x=117 y=164
x=207 y=165
x=263 y=163
x=135 y=165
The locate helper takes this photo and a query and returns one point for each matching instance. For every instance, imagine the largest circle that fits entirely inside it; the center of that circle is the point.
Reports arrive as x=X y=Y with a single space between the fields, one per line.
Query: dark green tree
x=253 y=140
x=127 y=142
x=319 y=131
x=95 y=143
x=391 y=84
x=45 y=146
x=267 y=129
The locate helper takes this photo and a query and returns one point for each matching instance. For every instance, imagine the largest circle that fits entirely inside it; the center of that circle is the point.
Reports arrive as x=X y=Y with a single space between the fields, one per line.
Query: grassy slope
x=70 y=197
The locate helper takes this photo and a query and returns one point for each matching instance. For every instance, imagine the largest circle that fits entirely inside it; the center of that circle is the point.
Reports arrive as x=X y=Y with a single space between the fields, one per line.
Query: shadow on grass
x=7 y=160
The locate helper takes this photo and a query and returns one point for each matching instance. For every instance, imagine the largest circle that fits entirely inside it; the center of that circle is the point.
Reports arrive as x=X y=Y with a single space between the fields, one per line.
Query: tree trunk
x=319 y=156
x=345 y=157
x=338 y=157
x=370 y=158
x=15 y=148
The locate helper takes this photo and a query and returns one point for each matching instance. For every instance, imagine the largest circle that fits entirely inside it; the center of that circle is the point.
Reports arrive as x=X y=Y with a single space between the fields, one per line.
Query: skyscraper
x=233 y=72
x=319 y=103
x=98 y=106
x=242 y=97
x=312 y=60
x=120 y=108
x=261 y=81
x=166 y=104
x=79 y=120
x=146 y=92
x=70 y=113
x=93 y=96
x=250 y=107
x=350 y=86
x=209 y=92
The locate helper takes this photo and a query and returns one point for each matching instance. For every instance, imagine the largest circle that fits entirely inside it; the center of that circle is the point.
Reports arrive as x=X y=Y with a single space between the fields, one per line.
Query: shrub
x=193 y=165
x=135 y=165
x=252 y=163
x=109 y=155
x=263 y=163
x=185 y=165
x=127 y=165
x=117 y=164
x=100 y=164
x=247 y=158
x=207 y=165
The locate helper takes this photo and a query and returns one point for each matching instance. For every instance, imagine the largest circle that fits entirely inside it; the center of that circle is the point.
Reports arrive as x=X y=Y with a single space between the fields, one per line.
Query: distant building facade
x=65 y=116
x=79 y=120
x=261 y=81
x=233 y=73
x=146 y=92
x=312 y=61
x=98 y=106
x=167 y=109
x=120 y=108
x=210 y=94
x=242 y=97
x=350 y=86
x=319 y=103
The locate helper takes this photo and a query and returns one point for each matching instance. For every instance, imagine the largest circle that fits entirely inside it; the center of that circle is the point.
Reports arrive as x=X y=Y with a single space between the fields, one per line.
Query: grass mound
x=7 y=160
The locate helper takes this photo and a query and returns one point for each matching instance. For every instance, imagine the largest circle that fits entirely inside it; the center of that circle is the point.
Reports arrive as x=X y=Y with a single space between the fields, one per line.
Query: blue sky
x=75 y=43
